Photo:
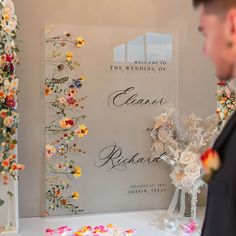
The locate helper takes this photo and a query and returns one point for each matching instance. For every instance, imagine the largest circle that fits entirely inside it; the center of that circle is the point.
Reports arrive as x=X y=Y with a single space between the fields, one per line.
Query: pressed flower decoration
x=9 y=117
x=105 y=230
x=65 y=128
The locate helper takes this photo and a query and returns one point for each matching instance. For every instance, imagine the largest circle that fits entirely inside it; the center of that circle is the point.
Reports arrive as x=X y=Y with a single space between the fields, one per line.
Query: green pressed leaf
x=10 y=194
x=1 y=202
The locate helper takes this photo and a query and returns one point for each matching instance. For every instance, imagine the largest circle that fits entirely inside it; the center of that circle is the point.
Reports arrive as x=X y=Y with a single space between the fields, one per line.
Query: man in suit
x=218 y=26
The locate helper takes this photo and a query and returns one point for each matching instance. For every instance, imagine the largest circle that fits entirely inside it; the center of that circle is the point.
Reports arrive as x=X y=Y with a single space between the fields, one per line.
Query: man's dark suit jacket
x=220 y=219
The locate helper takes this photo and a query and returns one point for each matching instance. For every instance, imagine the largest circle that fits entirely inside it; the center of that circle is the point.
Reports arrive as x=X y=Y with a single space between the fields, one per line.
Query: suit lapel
x=229 y=127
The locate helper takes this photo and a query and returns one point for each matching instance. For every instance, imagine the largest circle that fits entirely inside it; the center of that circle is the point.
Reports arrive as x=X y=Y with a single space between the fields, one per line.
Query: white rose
x=187 y=157
x=187 y=182
x=193 y=170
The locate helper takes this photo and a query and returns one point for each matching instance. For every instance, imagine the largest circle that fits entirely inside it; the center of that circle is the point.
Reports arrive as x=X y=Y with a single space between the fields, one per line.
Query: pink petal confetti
x=63 y=229
x=89 y=230
x=49 y=231
x=190 y=228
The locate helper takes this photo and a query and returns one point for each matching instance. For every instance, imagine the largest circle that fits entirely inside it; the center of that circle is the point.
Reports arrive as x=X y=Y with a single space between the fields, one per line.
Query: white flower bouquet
x=183 y=140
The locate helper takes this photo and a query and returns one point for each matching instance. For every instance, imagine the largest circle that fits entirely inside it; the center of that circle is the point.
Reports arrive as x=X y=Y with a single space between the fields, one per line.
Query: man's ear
x=230 y=26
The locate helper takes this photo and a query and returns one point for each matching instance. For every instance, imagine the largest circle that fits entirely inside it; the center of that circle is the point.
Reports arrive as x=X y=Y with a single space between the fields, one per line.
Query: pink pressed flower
x=49 y=231
x=63 y=229
x=101 y=229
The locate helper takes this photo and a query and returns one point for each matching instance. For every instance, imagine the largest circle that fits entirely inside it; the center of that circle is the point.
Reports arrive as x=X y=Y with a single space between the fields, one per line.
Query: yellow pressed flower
x=77 y=172
x=111 y=226
x=82 y=78
x=79 y=233
x=75 y=195
x=81 y=131
x=79 y=42
x=69 y=56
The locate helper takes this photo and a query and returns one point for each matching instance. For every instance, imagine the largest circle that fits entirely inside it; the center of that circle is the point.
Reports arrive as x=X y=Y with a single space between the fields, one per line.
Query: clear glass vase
x=179 y=210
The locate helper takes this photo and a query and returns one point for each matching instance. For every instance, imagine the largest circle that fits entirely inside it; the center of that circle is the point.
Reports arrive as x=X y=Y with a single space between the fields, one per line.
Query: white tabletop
x=141 y=221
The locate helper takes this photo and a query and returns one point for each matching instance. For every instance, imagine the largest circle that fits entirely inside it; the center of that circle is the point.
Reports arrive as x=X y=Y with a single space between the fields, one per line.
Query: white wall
x=196 y=76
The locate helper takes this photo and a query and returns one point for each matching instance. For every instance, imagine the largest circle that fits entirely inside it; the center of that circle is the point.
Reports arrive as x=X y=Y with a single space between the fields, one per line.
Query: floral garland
x=9 y=117
x=62 y=88
x=109 y=230
x=183 y=141
x=226 y=102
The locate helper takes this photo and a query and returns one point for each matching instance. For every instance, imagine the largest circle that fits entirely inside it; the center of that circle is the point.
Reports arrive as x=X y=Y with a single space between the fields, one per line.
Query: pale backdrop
x=196 y=75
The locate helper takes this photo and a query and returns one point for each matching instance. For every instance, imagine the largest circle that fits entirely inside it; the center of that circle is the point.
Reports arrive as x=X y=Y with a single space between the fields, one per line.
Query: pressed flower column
x=65 y=126
x=9 y=119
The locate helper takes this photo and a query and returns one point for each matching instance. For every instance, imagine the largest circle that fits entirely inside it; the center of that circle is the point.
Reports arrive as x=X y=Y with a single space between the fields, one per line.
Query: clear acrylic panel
x=102 y=96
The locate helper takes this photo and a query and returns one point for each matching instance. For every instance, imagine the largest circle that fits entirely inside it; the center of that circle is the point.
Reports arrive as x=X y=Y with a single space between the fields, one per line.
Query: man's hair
x=219 y=6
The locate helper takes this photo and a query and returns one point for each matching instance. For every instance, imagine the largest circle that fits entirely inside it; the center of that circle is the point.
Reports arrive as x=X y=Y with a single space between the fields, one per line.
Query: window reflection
x=145 y=48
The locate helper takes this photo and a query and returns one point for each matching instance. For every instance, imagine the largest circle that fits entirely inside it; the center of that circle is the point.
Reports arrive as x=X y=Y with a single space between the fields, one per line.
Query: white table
x=140 y=220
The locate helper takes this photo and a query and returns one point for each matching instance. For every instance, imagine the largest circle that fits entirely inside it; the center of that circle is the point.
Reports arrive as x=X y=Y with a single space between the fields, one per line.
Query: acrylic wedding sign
x=104 y=86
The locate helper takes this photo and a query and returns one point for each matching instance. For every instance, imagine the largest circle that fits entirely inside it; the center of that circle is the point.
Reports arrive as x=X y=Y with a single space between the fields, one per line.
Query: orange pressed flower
x=58 y=193
x=20 y=167
x=6 y=163
x=63 y=202
x=3 y=113
x=12 y=146
x=5 y=179
x=2 y=94
x=12 y=157
x=66 y=123
x=14 y=166
x=48 y=91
